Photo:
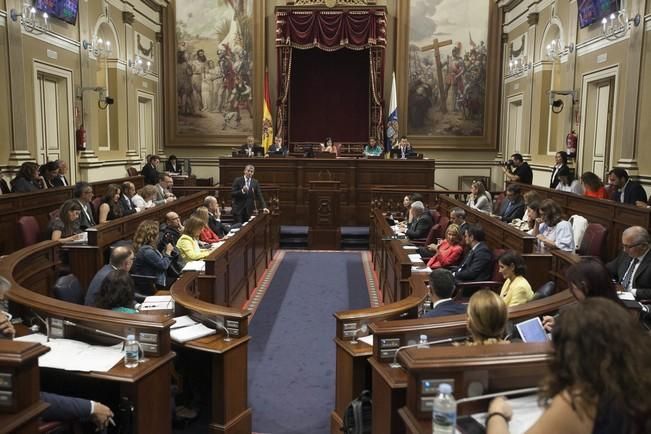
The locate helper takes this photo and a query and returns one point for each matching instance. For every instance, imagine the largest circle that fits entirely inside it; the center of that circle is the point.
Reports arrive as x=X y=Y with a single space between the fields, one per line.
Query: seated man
x=170 y=231
x=458 y=217
x=214 y=217
x=249 y=149
x=128 y=191
x=121 y=259
x=150 y=170
x=402 y=149
x=421 y=222
x=277 y=147
x=477 y=265
x=513 y=204
x=632 y=268
x=441 y=286
x=163 y=189
x=627 y=191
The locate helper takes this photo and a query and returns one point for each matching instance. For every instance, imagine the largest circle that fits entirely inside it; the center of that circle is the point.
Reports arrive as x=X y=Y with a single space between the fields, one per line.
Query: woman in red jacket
x=207 y=235
x=449 y=251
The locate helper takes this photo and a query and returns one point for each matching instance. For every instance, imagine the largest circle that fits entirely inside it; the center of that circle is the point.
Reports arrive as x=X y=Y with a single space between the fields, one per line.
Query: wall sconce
x=100 y=48
x=519 y=65
x=31 y=21
x=555 y=49
x=616 y=25
x=138 y=66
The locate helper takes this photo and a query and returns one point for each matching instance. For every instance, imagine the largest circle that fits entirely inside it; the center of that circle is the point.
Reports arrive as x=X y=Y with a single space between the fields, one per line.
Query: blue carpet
x=291 y=352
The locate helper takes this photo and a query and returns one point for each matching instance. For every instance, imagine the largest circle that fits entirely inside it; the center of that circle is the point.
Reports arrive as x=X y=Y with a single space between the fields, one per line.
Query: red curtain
x=331 y=30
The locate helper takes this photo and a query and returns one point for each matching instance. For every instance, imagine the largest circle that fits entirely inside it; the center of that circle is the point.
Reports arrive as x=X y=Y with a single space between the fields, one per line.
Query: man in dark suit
x=128 y=191
x=60 y=180
x=458 y=217
x=421 y=222
x=121 y=259
x=249 y=149
x=83 y=195
x=150 y=171
x=441 y=285
x=627 y=191
x=513 y=205
x=632 y=267
x=477 y=265
x=277 y=147
x=214 y=217
x=245 y=193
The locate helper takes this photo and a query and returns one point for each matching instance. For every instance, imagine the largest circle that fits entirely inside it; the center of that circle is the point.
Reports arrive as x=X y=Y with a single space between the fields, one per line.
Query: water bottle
x=422 y=341
x=131 y=352
x=444 y=411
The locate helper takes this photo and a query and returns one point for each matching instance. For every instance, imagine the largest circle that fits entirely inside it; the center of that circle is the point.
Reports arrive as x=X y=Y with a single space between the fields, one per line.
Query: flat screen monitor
x=65 y=10
x=532 y=330
x=591 y=11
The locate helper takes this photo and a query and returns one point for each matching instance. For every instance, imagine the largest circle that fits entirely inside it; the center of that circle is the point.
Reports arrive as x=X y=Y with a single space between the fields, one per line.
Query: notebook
x=532 y=330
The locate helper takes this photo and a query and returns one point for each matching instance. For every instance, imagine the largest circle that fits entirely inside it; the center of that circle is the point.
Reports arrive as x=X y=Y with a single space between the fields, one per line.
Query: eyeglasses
x=631 y=246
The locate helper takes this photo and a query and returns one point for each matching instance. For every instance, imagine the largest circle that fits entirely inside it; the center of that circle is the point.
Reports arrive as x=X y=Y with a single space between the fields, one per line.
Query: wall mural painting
x=214 y=67
x=447 y=67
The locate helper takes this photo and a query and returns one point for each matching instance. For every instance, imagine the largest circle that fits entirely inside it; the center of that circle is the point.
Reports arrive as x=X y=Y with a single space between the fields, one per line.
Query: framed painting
x=449 y=57
x=213 y=71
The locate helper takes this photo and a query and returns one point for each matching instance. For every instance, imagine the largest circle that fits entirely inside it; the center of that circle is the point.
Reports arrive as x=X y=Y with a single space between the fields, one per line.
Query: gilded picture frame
x=213 y=71
x=466 y=116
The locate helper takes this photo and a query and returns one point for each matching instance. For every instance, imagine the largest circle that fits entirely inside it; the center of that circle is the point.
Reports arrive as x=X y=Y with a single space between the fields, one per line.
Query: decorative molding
x=159 y=36
x=142 y=13
x=597 y=44
x=128 y=17
x=331 y=3
x=56 y=40
x=144 y=46
x=532 y=18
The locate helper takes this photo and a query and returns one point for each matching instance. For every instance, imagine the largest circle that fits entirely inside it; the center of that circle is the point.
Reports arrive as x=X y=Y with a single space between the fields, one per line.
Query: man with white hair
x=632 y=267
x=214 y=217
x=421 y=222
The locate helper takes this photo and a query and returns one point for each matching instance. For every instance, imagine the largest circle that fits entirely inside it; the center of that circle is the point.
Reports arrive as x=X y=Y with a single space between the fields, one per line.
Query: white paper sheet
x=195 y=266
x=525 y=413
x=366 y=339
x=182 y=321
x=73 y=355
x=415 y=257
x=185 y=334
x=421 y=269
x=157 y=302
x=407 y=247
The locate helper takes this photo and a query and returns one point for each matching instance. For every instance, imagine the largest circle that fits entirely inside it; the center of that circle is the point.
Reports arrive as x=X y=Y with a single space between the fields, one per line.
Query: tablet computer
x=532 y=330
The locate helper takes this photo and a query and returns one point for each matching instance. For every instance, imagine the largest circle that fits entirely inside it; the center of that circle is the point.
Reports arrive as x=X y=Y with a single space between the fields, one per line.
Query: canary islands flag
x=267 y=123
x=393 y=130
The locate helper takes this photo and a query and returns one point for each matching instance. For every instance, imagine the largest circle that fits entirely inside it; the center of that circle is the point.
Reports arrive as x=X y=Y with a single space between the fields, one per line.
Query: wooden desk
x=86 y=259
x=40 y=204
x=186 y=181
x=357 y=176
x=228 y=359
x=489 y=368
x=31 y=271
x=20 y=386
x=616 y=217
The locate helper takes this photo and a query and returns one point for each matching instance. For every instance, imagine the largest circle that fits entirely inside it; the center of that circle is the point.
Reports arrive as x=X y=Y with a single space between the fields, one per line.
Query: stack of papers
x=415 y=258
x=157 y=302
x=420 y=269
x=408 y=247
x=525 y=413
x=184 y=334
x=183 y=321
x=71 y=355
x=195 y=266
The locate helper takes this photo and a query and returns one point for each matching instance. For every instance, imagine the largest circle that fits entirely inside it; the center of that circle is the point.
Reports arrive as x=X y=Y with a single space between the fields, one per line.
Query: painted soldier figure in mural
x=199 y=66
x=456 y=70
x=184 y=82
x=228 y=74
x=241 y=99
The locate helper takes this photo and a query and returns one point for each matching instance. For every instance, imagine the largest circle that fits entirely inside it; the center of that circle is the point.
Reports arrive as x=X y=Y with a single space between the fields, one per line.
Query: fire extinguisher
x=570 y=143
x=81 y=139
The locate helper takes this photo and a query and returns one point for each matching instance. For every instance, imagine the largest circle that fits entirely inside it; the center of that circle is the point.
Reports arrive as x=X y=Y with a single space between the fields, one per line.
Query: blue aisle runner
x=291 y=352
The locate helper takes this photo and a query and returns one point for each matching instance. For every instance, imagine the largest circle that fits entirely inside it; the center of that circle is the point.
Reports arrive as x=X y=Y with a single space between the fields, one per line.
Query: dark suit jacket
x=448 y=307
x=244 y=203
x=420 y=227
x=172 y=169
x=65 y=408
x=86 y=218
x=516 y=210
x=96 y=284
x=642 y=278
x=217 y=226
x=60 y=181
x=273 y=150
x=22 y=185
x=477 y=265
x=633 y=192
x=150 y=173
x=554 y=179
x=126 y=205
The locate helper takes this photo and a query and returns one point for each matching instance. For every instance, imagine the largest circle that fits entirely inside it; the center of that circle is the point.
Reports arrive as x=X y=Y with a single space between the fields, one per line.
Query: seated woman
x=593 y=187
x=172 y=167
x=148 y=260
x=187 y=244
x=144 y=199
x=567 y=183
x=598 y=378
x=551 y=230
x=207 y=235
x=479 y=199
x=116 y=292
x=373 y=149
x=27 y=179
x=48 y=172
x=487 y=316
x=110 y=208
x=329 y=146
x=586 y=279
x=532 y=214
x=449 y=251
x=516 y=289
x=66 y=225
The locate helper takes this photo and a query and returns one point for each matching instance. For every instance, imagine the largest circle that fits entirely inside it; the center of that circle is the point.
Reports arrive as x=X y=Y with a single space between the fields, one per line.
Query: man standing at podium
x=245 y=192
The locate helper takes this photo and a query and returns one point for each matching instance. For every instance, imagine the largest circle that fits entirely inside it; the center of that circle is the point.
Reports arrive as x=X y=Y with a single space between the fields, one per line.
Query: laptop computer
x=532 y=330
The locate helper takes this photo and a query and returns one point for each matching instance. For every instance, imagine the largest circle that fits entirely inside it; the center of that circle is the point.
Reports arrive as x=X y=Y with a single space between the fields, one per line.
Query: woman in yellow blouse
x=187 y=243
x=516 y=290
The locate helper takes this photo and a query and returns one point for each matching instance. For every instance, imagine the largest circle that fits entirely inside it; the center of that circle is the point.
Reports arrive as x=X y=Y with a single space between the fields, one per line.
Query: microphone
x=363 y=329
x=220 y=325
x=94 y=330
x=527 y=390
x=395 y=363
x=34 y=328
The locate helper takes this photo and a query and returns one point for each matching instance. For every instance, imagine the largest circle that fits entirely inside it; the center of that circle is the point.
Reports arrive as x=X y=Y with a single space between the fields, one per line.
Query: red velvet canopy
x=331 y=30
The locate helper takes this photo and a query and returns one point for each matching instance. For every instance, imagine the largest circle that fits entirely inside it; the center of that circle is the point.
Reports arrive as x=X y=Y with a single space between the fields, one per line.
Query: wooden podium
x=325 y=225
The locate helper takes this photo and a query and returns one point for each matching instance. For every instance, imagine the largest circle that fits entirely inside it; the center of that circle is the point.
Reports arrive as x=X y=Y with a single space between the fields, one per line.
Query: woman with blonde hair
x=479 y=198
x=449 y=251
x=149 y=261
x=188 y=242
x=487 y=315
x=144 y=198
x=207 y=235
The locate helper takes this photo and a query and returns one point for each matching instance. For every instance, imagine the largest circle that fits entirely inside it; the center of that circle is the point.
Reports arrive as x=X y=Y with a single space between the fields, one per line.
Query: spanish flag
x=267 y=123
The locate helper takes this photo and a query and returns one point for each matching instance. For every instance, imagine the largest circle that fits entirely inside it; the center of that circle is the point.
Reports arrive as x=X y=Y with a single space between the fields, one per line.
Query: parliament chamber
x=317 y=135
